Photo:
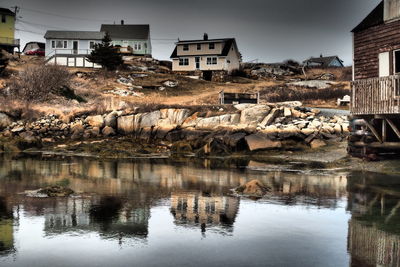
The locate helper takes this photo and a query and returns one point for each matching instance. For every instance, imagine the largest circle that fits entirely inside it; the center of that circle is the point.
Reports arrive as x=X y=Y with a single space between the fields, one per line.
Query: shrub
x=106 y=54
x=38 y=83
x=282 y=94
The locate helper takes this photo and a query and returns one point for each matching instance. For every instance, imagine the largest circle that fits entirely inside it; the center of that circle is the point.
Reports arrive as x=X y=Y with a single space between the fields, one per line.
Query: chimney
x=391 y=9
x=205 y=38
x=122 y=22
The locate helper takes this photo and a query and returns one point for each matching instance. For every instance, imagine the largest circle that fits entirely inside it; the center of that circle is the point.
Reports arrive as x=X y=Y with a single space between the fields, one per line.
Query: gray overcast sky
x=268 y=30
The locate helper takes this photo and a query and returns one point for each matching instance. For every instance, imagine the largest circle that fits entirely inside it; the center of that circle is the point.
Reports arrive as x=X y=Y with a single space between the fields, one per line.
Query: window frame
x=137 y=46
x=211 y=46
x=185 y=47
x=198 y=46
x=395 y=62
x=54 y=44
x=90 y=44
x=212 y=61
x=184 y=61
x=3 y=18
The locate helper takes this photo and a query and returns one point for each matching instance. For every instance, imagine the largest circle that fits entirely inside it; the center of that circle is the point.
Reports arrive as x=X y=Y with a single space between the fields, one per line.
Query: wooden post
x=384 y=131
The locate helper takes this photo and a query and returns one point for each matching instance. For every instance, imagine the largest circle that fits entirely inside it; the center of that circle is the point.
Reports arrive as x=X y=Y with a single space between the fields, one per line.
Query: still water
x=182 y=213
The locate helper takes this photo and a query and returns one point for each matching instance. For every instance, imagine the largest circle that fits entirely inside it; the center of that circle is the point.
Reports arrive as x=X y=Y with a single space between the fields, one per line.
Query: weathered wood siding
x=369 y=43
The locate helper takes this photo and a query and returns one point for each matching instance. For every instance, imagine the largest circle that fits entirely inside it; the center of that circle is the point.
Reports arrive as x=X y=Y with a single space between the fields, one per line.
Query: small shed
x=33 y=46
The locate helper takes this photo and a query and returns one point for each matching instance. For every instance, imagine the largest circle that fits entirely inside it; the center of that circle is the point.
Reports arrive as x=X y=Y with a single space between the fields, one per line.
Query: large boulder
x=269 y=118
x=317 y=143
x=128 y=124
x=254 y=114
x=95 y=121
x=260 y=141
x=175 y=116
x=5 y=121
x=150 y=119
x=110 y=120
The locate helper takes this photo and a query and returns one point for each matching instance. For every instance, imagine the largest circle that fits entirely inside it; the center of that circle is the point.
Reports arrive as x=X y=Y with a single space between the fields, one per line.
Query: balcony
x=9 y=41
x=376 y=96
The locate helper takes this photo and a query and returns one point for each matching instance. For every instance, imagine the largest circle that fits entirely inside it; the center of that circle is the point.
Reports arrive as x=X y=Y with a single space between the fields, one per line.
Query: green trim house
x=7 y=30
x=132 y=38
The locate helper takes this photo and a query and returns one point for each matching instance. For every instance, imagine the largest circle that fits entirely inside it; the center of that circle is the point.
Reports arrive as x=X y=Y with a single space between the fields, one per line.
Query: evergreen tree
x=106 y=55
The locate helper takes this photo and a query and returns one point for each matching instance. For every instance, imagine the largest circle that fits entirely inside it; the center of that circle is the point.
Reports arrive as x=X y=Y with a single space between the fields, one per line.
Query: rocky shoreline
x=249 y=128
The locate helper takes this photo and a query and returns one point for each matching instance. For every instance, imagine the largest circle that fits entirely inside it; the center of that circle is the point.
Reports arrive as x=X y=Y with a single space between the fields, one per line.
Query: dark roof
x=225 y=51
x=373 y=19
x=6 y=11
x=126 y=31
x=77 y=35
x=41 y=45
x=323 y=61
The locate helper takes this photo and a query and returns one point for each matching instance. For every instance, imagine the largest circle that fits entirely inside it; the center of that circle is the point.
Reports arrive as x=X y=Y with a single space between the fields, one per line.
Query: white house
x=206 y=55
x=70 y=48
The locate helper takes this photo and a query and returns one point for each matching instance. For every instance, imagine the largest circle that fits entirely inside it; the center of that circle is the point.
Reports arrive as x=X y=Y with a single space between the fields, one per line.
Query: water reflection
x=202 y=210
x=374 y=230
x=116 y=201
x=6 y=227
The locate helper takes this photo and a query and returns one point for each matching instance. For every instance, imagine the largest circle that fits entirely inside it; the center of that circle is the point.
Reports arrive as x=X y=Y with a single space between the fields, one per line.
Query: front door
x=75 y=47
x=197 y=60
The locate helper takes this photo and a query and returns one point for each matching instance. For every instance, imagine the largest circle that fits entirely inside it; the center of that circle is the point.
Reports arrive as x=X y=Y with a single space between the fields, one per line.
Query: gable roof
x=6 y=11
x=127 y=31
x=373 y=19
x=75 y=35
x=228 y=42
x=40 y=45
x=323 y=61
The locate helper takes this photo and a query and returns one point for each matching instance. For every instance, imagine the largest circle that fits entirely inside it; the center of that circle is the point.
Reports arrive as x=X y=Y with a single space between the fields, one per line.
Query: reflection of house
x=76 y=214
x=70 y=48
x=194 y=208
x=7 y=30
x=372 y=247
x=374 y=233
x=133 y=39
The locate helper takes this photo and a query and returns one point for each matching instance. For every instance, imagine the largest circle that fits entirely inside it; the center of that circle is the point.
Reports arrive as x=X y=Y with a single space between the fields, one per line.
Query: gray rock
x=254 y=115
x=108 y=131
x=261 y=142
x=150 y=119
x=95 y=121
x=110 y=120
x=5 y=121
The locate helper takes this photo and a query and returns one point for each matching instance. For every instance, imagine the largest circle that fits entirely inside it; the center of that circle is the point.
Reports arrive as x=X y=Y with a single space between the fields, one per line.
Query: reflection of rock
x=56 y=191
x=253 y=188
x=201 y=210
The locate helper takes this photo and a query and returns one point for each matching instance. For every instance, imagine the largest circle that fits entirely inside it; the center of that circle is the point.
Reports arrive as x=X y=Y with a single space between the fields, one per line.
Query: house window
x=59 y=44
x=184 y=61
x=92 y=44
x=212 y=60
x=3 y=19
x=198 y=46
x=396 y=57
x=138 y=46
x=186 y=47
x=211 y=46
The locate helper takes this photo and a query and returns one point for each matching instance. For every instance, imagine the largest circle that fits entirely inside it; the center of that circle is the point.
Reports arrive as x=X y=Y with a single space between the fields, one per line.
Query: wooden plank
x=394 y=127
x=374 y=131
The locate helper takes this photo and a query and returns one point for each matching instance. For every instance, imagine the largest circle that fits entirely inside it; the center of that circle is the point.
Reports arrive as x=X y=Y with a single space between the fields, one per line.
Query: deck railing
x=9 y=41
x=376 y=96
